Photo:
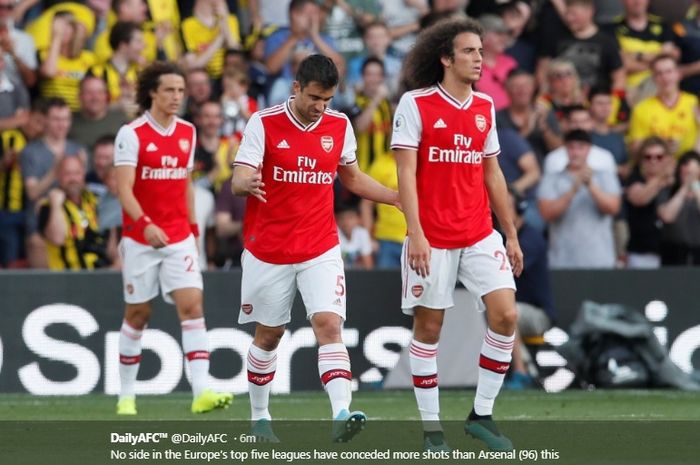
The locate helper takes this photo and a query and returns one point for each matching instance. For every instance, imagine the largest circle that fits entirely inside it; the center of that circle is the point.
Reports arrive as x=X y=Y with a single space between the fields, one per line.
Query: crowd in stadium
x=597 y=115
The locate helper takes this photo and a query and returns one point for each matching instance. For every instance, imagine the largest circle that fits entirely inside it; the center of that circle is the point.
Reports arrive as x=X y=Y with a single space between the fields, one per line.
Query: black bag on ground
x=616 y=365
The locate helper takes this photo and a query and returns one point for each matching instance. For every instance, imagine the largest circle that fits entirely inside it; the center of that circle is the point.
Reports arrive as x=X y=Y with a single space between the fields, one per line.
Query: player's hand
x=419 y=254
x=155 y=236
x=255 y=185
x=515 y=255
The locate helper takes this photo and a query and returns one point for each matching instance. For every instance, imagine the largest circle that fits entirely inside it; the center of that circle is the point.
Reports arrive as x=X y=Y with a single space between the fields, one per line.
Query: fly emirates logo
x=461 y=153
x=304 y=174
x=169 y=170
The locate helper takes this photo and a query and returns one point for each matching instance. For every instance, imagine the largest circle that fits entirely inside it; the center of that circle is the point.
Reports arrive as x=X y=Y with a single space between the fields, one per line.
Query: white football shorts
x=175 y=266
x=268 y=290
x=481 y=268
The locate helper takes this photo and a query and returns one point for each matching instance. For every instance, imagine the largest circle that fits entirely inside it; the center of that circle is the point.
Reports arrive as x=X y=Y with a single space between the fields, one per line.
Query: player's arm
x=247 y=169
x=366 y=187
x=247 y=180
x=126 y=174
x=498 y=196
x=418 y=245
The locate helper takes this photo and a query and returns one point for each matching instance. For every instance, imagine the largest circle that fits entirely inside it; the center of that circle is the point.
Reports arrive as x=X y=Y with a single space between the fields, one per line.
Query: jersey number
x=500 y=255
x=340 y=286
x=190 y=263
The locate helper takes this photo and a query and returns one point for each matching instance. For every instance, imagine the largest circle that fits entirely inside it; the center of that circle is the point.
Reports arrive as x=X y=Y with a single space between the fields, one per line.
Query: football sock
x=334 y=368
x=494 y=362
x=261 y=370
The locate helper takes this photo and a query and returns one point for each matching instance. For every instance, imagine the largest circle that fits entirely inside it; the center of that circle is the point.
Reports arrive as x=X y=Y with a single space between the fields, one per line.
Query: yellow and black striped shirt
x=375 y=140
x=113 y=79
x=12 y=196
x=79 y=219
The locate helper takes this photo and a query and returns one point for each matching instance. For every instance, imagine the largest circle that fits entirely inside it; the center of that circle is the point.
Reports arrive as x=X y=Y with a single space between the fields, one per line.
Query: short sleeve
x=252 y=148
x=609 y=182
x=491 y=147
x=348 y=156
x=126 y=147
x=547 y=189
x=407 y=124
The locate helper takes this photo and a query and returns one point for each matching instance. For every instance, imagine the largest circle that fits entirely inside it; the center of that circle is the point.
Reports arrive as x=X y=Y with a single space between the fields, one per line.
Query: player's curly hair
x=149 y=80
x=422 y=66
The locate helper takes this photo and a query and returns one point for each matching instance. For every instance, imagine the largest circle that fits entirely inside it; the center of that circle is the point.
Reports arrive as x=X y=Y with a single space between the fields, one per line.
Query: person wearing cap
x=496 y=63
x=579 y=204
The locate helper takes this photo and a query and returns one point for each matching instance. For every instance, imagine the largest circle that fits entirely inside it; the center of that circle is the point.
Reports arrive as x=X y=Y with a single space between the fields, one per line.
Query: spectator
x=562 y=87
x=236 y=103
x=65 y=62
x=579 y=204
x=386 y=223
x=517 y=15
x=653 y=174
x=304 y=31
x=68 y=221
x=687 y=39
x=578 y=117
x=377 y=39
x=355 y=243
x=95 y=118
x=265 y=13
x=642 y=37
x=17 y=46
x=14 y=99
x=344 y=21
x=496 y=65
x=199 y=90
x=120 y=72
x=671 y=114
x=535 y=122
x=102 y=159
x=229 y=227
x=282 y=86
x=214 y=154
x=372 y=114
x=679 y=209
x=595 y=54
x=403 y=18
x=602 y=134
x=135 y=11
x=208 y=33
x=39 y=162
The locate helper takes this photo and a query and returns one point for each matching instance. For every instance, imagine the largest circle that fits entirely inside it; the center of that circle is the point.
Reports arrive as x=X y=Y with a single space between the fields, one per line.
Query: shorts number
x=340 y=286
x=502 y=256
x=190 y=263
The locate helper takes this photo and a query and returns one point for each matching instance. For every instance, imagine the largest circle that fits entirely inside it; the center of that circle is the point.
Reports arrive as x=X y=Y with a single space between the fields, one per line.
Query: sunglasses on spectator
x=561 y=74
x=6 y=6
x=654 y=156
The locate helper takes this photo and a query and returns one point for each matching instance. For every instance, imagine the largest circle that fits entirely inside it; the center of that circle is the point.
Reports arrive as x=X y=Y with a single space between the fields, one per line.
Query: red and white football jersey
x=451 y=139
x=163 y=158
x=299 y=165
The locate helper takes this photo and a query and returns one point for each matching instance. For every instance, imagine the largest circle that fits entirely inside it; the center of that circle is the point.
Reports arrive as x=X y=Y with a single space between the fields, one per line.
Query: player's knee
x=427 y=331
x=137 y=315
x=191 y=311
x=327 y=327
x=505 y=320
x=268 y=338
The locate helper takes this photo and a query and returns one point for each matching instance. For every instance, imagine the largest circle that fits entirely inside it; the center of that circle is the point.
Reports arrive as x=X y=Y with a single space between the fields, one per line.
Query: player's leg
x=136 y=317
x=140 y=280
x=485 y=272
x=267 y=294
x=424 y=298
x=321 y=282
x=262 y=365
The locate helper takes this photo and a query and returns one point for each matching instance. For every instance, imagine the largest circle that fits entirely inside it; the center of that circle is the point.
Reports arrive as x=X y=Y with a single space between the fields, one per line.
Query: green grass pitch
x=379 y=405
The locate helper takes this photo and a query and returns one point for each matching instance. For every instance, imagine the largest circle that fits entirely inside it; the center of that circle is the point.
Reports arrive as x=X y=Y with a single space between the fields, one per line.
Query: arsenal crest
x=184 y=145
x=247 y=308
x=480 y=122
x=417 y=290
x=327 y=143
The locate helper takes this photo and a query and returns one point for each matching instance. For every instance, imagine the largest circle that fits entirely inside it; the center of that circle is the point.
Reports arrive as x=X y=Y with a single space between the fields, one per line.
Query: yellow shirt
x=373 y=141
x=390 y=224
x=198 y=36
x=40 y=28
x=66 y=83
x=11 y=182
x=78 y=219
x=651 y=117
x=167 y=11
x=109 y=74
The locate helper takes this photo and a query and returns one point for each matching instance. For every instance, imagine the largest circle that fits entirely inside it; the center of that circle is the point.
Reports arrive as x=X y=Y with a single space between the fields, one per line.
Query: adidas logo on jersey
x=283 y=144
x=338 y=302
x=439 y=124
x=151 y=147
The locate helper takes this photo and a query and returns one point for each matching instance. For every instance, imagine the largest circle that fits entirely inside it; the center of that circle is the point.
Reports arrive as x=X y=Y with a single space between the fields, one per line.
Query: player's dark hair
x=422 y=66
x=122 y=32
x=317 y=68
x=149 y=80
x=372 y=60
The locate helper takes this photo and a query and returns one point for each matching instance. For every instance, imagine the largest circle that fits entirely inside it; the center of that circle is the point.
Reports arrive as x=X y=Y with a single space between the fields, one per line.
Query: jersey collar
x=453 y=101
x=295 y=121
x=157 y=127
